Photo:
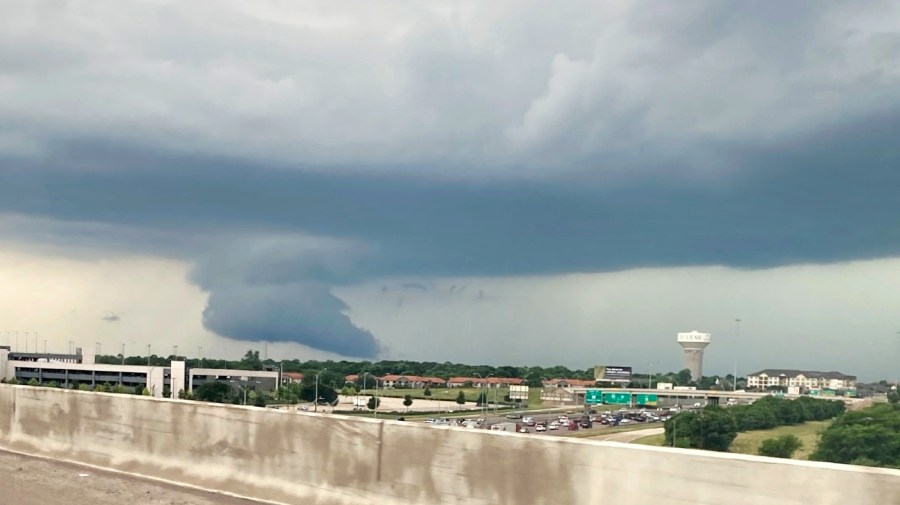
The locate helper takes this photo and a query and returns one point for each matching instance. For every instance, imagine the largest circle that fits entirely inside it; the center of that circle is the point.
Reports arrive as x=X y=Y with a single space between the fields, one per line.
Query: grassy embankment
x=748 y=442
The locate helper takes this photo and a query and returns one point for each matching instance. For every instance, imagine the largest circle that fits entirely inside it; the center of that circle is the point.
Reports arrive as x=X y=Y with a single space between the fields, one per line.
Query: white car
x=540 y=427
x=553 y=426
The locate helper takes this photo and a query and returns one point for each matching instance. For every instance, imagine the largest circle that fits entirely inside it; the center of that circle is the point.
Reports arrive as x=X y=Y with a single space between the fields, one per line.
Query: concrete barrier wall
x=294 y=457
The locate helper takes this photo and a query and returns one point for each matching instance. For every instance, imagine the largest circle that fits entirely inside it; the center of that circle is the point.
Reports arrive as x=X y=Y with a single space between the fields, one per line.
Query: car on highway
x=529 y=421
x=540 y=427
x=523 y=429
x=514 y=415
x=553 y=426
x=563 y=419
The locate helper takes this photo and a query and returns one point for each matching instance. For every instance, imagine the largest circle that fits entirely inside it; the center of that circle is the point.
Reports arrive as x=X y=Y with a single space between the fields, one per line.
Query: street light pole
x=316 y=407
x=736 y=344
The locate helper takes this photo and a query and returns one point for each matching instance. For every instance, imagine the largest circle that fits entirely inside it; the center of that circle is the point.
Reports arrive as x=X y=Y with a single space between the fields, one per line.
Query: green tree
x=427 y=392
x=683 y=378
x=461 y=398
x=33 y=382
x=870 y=436
x=251 y=361
x=146 y=392
x=327 y=394
x=712 y=428
x=780 y=447
x=373 y=403
x=893 y=397
x=53 y=384
x=407 y=401
x=482 y=398
x=214 y=391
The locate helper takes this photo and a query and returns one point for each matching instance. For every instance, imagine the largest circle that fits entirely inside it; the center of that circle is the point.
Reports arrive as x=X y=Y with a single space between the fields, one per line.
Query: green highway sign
x=593 y=396
x=617 y=398
x=643 y=399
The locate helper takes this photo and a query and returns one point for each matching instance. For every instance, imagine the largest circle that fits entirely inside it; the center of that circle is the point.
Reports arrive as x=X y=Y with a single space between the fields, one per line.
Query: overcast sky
x=485 y=182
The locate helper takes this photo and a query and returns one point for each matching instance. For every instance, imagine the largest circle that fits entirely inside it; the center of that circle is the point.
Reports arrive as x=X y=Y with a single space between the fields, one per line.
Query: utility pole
x=123 y=353
x=148 y=354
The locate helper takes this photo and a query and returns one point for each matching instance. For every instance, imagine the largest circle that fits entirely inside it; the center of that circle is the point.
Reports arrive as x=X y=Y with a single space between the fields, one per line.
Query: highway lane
x=37 y=481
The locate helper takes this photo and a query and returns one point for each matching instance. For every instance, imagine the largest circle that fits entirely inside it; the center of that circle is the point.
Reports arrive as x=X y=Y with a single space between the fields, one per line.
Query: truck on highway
x=510 y=427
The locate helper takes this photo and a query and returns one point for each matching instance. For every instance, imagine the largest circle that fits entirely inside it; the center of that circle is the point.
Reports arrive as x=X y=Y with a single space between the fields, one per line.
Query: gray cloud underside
x=831 y=197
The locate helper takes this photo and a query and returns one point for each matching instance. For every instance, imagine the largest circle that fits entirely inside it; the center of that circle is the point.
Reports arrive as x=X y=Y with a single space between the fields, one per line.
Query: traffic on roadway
x=559 y=423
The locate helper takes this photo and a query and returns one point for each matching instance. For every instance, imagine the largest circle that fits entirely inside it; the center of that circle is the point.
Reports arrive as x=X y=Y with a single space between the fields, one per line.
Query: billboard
x=518 y=392
x=612 y=373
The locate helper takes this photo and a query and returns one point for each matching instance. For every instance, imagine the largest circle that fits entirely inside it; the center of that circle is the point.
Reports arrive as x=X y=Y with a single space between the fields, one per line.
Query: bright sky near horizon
x=498 y=182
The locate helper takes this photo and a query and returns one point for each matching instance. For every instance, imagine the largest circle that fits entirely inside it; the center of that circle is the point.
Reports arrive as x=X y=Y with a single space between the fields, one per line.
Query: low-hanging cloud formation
x=283 y=149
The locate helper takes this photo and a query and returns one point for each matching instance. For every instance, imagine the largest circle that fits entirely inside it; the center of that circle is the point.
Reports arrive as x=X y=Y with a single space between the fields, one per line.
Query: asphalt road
x=35 y=481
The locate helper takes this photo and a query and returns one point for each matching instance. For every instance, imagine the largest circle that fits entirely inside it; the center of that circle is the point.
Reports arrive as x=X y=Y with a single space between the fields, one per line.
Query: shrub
x=780 y=447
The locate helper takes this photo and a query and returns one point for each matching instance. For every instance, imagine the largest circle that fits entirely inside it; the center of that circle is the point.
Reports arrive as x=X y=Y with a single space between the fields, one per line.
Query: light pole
x=375 y=395
x=200 y=352
x=123 y=353
x=737 y=342
x=316 y=407
x=148 y=354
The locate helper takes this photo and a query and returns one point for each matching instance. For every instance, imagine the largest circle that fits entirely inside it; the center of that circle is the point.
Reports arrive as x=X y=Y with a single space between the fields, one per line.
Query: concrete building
x=257 y=380
x=809 y=380
x=72 y=371
x=80 y=370
x=568 y=383
x=693 y=343
x=489 y=382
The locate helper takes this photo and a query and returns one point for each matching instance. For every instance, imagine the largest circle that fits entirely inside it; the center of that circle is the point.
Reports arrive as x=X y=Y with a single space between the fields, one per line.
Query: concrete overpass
x=294 y=457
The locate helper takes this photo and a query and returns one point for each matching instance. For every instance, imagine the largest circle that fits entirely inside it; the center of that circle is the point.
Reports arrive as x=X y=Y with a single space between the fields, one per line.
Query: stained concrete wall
x=294 y=457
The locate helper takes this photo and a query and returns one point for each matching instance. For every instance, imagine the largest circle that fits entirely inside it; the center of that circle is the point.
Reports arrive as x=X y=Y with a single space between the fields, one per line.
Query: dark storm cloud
x=301 y=312
x=282 y=151
x=825 y=197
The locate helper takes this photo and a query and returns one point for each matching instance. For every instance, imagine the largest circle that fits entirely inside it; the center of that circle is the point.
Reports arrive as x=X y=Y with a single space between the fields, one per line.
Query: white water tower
x=693 y=343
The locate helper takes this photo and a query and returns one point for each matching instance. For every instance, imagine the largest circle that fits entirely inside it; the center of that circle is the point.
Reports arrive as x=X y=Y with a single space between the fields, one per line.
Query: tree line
x=714 y=428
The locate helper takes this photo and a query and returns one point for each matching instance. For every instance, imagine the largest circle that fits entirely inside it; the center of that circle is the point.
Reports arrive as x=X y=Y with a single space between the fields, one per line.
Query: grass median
x=748 y=442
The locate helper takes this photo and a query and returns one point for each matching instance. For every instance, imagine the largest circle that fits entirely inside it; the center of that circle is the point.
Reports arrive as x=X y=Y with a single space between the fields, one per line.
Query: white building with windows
x=772 y=377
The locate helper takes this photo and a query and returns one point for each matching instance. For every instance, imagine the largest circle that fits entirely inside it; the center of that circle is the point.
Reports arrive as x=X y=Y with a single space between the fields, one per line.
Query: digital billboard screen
x=612 y=373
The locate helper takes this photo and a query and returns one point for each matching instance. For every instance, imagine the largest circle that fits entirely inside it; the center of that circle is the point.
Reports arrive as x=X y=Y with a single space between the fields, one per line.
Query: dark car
x=514 y=415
